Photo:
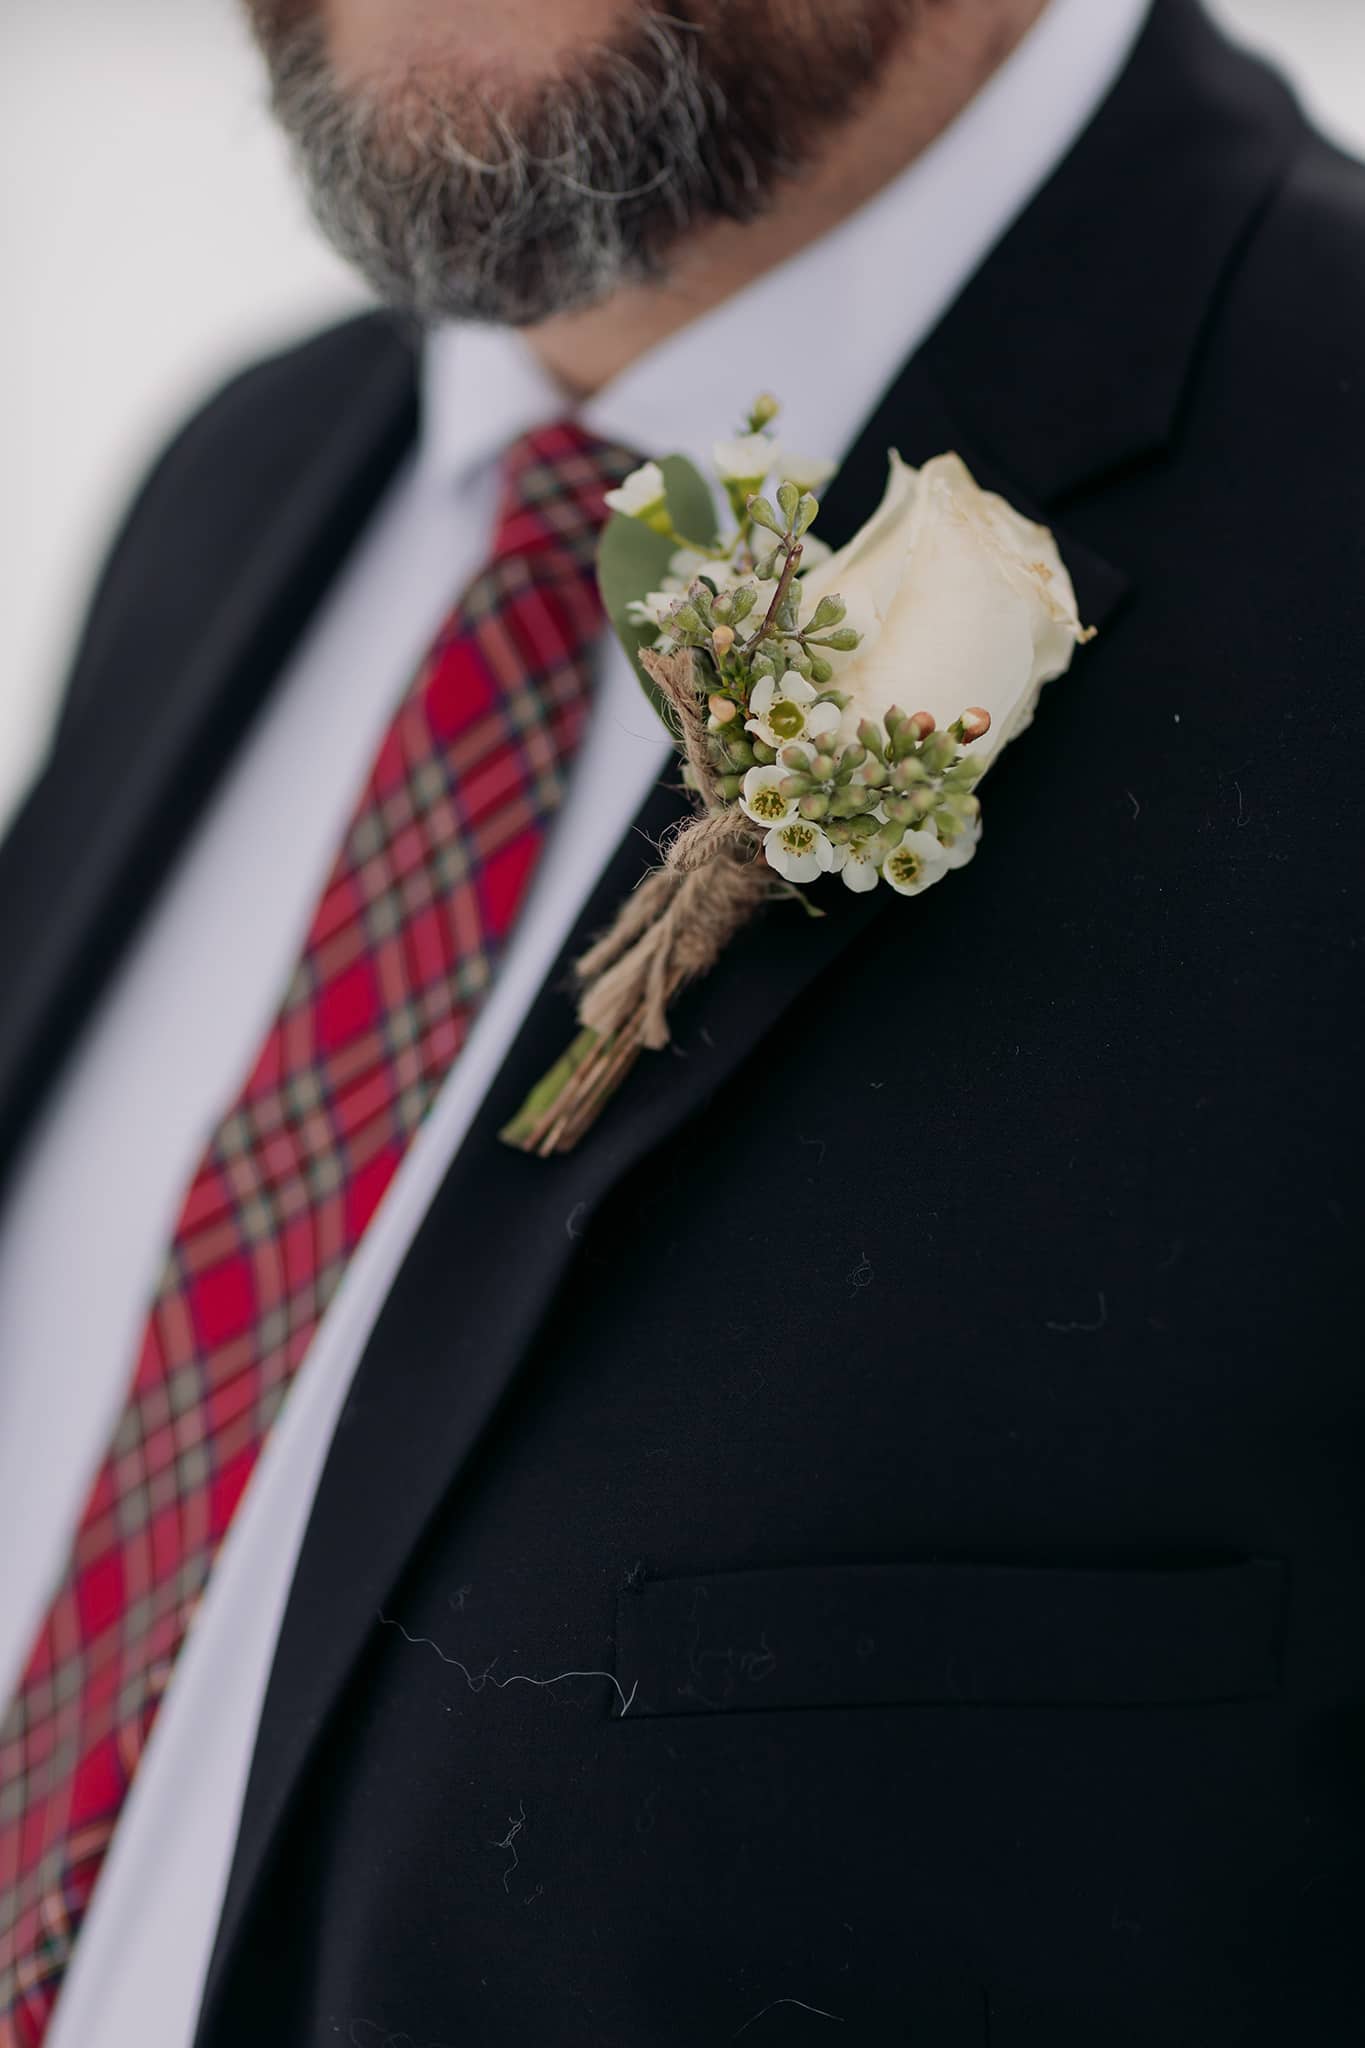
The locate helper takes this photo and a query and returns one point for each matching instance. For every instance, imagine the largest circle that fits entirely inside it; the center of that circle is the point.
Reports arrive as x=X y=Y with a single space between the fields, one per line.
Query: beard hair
x=454 y=207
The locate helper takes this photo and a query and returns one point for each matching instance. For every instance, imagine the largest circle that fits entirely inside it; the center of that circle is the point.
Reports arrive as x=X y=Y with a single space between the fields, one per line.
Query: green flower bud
x=823 y=766
x=901 y=809
x=770 y=567
x=788 y=498
x=838 y=830
x=820 y=669
x=814 y=806
x=831 y=611
x=764 y=412
x=890 y=835
x=762 y=514
x=937 y=752
x=909 y=771
x=974 y=724
x=843 y=641
x=851 y=758
x=739 y=753
x=793 y=786
x=861 y=829
x=850 y=801
x=807 y=507
x=687 y=619
x=742 y=602
x=764 y=755
x=876 y=774
x=871 y=737
x=922 y=801
x=961 y=810
x=730 y=786
x=796 y=758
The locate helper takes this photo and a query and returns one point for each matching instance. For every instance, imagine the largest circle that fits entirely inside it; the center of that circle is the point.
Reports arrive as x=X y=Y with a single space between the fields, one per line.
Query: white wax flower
x=959 y=851
x=799 y=851
x=916 y=864
x=685 y=564
x=762 y=800
x=960 y=600
x=653 y=609
x=643 y=495
x=807 y=472
x=745 y=460
x=856 y=867
x=786 y=713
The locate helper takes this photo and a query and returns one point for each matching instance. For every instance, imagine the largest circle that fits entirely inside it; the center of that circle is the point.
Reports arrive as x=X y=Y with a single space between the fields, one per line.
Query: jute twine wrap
x=670 y=931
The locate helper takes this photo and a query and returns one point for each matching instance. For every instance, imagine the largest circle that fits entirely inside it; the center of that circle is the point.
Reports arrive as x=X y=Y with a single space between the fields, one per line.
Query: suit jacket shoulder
x=1289 y=336
x=1271 y=453
x=202 y=503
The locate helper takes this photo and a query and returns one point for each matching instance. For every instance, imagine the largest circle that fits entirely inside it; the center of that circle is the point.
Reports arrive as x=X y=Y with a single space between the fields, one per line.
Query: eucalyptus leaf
x=690 y=504
x=632 y=559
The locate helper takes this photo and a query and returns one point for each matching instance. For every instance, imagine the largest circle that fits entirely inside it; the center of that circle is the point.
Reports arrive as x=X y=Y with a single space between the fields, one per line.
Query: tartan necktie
x=434 y=865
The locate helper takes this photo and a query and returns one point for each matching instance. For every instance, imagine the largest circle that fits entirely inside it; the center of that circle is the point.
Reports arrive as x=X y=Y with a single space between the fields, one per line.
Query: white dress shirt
x=99 y=1187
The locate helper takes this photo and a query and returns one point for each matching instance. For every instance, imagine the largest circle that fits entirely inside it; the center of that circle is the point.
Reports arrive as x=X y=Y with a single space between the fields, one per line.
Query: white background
x=151 y=241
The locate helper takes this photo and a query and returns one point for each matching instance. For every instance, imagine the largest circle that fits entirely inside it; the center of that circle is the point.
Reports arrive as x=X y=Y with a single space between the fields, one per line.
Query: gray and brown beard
x=455 y=206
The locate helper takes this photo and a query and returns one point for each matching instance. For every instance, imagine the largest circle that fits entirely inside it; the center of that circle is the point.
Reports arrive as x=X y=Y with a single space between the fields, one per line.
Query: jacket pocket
x=952 y=1635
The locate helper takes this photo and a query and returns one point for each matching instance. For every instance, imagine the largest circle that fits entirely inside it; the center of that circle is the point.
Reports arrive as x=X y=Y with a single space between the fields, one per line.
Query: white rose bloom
x=916 y=864
x=960 y=600
x=762 y=800
x=799 y=851
x=643 y=495
x=786 y=713
x=745 y=460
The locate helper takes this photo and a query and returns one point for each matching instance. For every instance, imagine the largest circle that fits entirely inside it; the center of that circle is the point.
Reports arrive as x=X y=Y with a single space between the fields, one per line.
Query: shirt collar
x=860 y=299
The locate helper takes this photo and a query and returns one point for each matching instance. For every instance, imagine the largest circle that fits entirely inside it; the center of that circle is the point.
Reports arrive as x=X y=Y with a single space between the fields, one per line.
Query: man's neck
x=947 y=58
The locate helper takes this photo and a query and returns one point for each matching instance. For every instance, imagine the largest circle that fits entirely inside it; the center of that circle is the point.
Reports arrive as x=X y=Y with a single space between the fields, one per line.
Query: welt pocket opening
x=952 y=1634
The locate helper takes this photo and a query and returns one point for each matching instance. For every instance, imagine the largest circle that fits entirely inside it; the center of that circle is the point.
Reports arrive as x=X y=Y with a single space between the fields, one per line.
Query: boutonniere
x=819 y=703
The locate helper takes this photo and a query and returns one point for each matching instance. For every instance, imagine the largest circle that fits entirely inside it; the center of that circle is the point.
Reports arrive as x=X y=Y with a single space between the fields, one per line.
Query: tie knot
x=554 y=485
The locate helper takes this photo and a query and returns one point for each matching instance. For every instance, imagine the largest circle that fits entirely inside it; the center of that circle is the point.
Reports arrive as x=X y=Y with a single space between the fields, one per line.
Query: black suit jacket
x=932 y=1396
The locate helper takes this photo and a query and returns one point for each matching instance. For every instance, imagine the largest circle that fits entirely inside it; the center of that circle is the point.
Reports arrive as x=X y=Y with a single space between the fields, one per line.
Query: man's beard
x=453 y=206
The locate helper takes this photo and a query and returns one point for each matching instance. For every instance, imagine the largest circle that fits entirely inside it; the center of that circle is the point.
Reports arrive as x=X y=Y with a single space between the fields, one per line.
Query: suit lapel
x=508 y=1226
x=104 y=823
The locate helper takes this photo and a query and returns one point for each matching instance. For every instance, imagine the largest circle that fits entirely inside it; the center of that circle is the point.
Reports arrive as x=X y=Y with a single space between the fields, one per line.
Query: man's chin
x=465 y=187
x=513 y=47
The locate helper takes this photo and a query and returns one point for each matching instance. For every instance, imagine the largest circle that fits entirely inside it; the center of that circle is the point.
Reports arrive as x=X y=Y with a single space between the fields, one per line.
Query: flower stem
x=784 y=584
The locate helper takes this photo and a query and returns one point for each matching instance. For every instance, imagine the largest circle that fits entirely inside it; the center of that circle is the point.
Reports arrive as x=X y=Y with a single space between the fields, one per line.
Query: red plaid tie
x=400 y=954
